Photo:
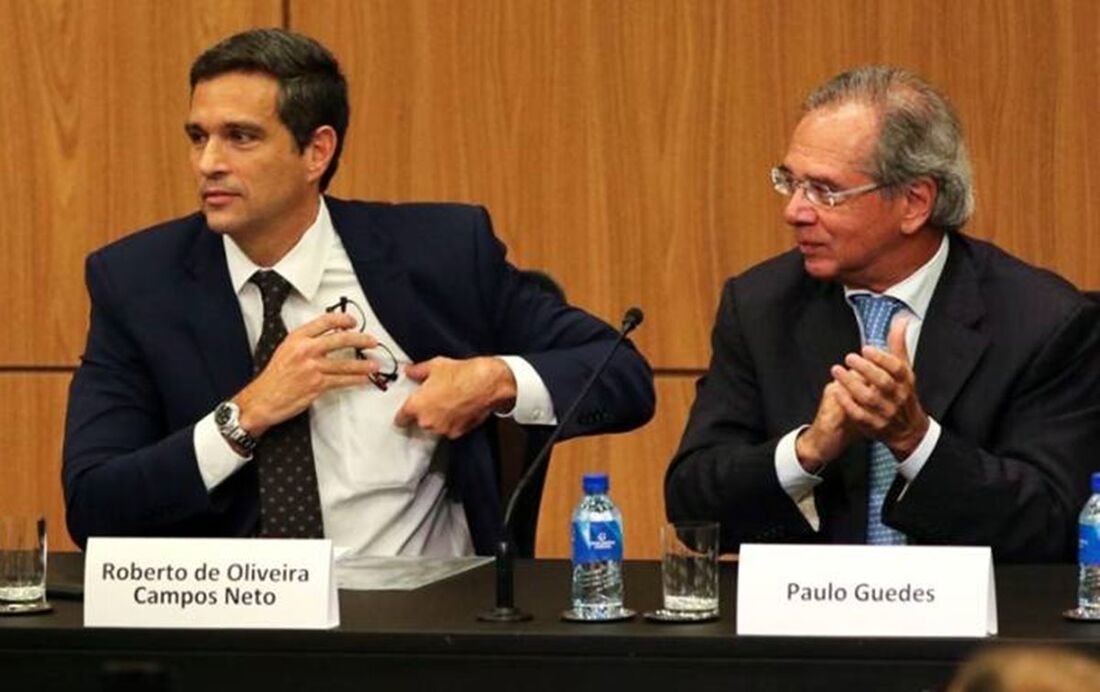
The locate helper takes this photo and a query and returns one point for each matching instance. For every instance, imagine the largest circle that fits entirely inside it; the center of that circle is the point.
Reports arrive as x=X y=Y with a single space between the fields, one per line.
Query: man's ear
x=920 y=199
x=319 y=152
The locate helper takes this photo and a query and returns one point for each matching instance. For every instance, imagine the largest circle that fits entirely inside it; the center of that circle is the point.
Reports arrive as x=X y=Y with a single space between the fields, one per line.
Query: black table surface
x=429 y=638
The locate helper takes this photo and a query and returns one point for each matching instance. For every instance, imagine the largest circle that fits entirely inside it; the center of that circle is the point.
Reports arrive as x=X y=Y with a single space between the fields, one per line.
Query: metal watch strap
x=227 y=418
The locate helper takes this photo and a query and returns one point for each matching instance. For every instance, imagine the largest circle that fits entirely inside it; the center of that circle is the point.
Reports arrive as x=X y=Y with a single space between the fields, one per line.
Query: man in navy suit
x=892 y=380
x=391 y=333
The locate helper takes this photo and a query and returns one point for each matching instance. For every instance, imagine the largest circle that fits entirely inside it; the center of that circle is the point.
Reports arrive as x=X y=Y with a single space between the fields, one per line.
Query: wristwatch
x=228 y=419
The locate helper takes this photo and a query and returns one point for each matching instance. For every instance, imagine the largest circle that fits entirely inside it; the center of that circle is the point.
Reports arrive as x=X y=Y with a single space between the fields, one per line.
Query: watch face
x=222 y=415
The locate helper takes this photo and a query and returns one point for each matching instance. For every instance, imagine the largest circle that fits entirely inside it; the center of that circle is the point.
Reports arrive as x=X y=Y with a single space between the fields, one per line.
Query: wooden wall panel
x=92 y=101
x=623 y=144
x=620 y=144
x=32 y=407
x=636 y=463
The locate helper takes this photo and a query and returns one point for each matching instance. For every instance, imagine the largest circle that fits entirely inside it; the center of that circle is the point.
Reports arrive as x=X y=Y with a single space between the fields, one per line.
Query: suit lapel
x=385 y=280
x=214 y=315
x=951 y=343
x=825 y=332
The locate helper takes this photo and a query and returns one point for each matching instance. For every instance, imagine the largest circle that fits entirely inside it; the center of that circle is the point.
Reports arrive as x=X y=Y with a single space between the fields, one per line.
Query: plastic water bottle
x=1088 y=553
x=597 y=553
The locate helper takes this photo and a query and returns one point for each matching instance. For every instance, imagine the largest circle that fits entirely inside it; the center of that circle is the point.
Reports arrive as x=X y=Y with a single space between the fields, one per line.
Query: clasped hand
x=872 y=395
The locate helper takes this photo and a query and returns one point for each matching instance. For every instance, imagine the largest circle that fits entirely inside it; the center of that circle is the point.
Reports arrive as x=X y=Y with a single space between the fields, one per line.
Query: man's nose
x=799 y=210
x=210 y=159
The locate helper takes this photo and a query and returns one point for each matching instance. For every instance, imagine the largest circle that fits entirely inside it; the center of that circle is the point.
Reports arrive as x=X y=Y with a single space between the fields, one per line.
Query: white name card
x=863 y=590
x=210 y=583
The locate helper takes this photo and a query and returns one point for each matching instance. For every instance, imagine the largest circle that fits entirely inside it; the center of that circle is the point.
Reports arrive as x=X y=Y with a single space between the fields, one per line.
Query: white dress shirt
x=916 y=292
x=380 y=492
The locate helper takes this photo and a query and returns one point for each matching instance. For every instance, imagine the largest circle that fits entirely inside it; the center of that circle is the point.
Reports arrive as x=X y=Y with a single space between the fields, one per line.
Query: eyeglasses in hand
x=387 y=372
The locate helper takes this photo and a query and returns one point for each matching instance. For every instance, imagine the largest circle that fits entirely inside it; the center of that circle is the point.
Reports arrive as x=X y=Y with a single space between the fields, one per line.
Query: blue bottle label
x=1088 y=544
x=597 y=541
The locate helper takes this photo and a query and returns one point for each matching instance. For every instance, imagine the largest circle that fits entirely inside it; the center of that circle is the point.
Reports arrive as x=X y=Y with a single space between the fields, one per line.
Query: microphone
x=505 y=609
x=631 y=320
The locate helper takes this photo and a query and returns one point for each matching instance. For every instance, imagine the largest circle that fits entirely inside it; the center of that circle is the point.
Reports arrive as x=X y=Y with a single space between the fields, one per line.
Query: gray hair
x=920 y=136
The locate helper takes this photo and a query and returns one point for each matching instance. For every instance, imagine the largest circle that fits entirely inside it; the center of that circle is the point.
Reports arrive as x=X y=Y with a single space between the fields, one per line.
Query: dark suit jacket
x=1008 y=363
x=167 y=343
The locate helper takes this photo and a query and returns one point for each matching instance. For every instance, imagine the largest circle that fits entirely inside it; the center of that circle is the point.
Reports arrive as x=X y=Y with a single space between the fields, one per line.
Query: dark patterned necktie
x=290 y=506
x=875 y=314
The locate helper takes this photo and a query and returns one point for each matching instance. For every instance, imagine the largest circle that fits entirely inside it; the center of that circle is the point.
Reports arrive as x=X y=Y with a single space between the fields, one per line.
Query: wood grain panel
x=595 y=132
x=623 y=144
x=636 y=463
x=32 y=407
x=92 y=100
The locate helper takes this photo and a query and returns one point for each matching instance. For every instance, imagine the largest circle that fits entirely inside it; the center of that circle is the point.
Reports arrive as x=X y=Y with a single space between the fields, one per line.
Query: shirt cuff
x=217 y=460
x=533 y=403
x=795 y=480
x=916 y=461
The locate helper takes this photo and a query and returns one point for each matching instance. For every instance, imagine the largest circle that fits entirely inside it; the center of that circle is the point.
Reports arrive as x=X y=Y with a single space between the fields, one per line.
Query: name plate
x=210 y=583
x=862 y=590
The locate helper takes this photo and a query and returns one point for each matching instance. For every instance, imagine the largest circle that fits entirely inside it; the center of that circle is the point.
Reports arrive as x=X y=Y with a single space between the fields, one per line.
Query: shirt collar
x=916 y=289
x=303 y=266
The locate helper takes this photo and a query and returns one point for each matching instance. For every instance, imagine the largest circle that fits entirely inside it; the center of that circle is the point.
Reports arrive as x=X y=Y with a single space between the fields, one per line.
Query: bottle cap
x=1096 y=482
x=596 y=483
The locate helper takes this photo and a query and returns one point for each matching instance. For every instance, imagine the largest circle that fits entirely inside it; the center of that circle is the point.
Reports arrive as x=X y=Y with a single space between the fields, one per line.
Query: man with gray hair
x=892 y=380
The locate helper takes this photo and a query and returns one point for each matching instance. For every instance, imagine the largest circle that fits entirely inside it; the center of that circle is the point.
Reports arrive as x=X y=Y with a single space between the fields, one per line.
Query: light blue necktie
x=875 y=314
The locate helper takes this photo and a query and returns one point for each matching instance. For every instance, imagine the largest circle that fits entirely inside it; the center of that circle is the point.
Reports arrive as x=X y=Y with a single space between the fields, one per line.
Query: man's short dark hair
x=312 y=90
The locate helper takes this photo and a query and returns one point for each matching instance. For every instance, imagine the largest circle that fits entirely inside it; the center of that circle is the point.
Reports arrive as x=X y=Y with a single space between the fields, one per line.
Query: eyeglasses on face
x=818 y=193
x=387 y=372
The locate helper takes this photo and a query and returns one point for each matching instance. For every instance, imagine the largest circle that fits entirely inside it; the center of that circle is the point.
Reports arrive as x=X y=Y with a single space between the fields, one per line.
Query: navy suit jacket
x=167 y=342
x=1008 y=363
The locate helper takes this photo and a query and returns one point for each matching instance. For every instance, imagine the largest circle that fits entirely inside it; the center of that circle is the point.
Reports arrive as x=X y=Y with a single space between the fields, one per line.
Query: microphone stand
x=505 y=609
